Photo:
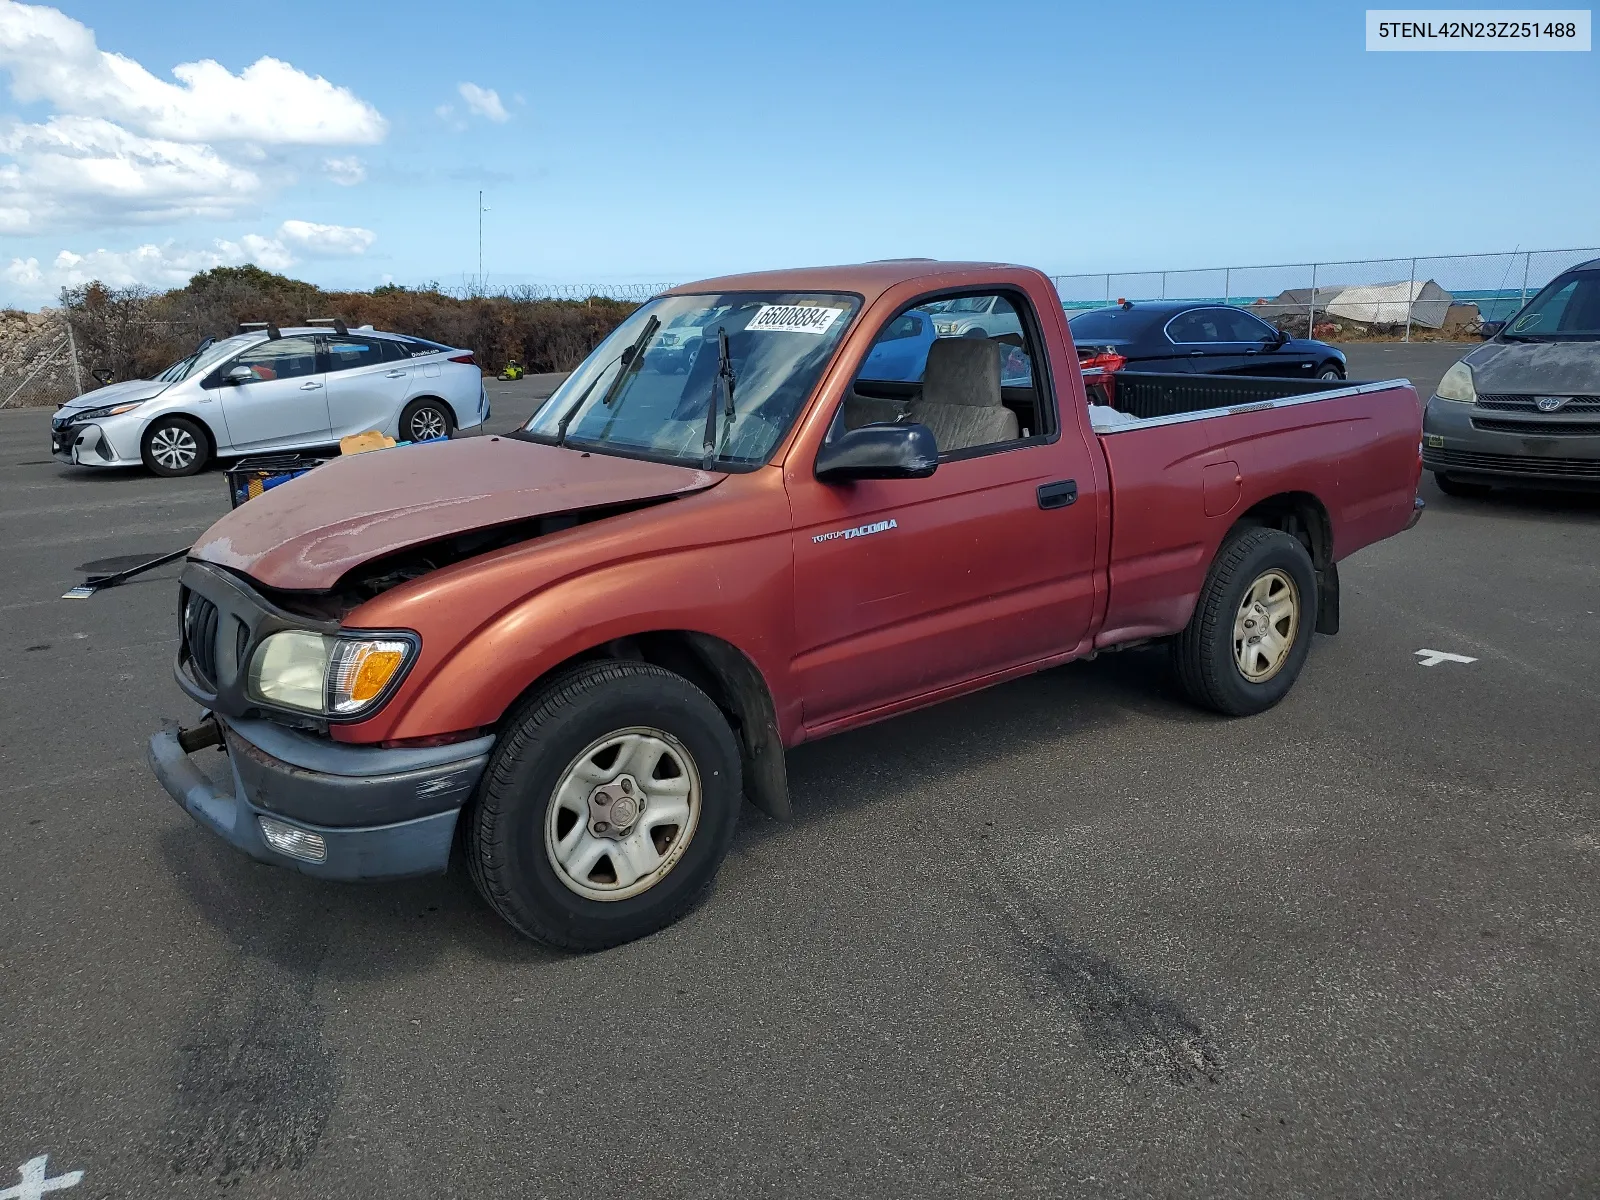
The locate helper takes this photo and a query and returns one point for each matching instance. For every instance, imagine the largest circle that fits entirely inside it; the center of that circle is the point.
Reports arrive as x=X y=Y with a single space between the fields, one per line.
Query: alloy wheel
x=174 y=447
x=428 y=423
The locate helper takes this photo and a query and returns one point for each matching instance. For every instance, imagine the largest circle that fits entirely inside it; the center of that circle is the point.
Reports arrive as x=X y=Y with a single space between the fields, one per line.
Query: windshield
x=1569 y=307
x=657 y=406
x=966 y=304
x=202 y=361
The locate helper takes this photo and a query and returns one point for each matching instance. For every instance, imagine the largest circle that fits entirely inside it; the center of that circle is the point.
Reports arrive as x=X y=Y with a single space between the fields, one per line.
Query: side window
x=347 y=353
x=281 y=358
x=971 y=383
x=1198 y=326
x=393 y=351
x=1242 y=327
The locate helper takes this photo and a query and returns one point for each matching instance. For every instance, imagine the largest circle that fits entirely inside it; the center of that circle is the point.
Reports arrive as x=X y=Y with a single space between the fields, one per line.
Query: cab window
x=973 y=385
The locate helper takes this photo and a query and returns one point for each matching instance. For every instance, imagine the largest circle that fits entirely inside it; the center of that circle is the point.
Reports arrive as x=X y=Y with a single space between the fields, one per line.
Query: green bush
x=135 y=332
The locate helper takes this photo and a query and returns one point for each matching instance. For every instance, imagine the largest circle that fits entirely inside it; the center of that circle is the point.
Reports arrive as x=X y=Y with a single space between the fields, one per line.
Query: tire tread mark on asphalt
x=1138 y=1035
x=255 y=1081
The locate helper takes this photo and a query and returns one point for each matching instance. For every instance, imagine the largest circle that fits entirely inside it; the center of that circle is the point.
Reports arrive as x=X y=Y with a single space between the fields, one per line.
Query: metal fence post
x=1311 y=308
x=1526 y=259
x=1227 y=284
x=1108 y=287
x=72 y=345
x=1411 y=285
x=1163 y=285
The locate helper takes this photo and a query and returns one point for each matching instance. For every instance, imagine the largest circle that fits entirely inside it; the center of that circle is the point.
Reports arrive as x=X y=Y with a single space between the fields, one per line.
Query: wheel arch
x=1303 y=516
x=726 y=674
x=213 y=446
x=449 y=407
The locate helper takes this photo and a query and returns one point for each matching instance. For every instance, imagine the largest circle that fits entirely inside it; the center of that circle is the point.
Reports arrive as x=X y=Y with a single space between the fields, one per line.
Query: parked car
x=1524 y=407
x=1217 y=339
x=974 y=317
x=582 y=643
x=270 y=390
x=901 y=350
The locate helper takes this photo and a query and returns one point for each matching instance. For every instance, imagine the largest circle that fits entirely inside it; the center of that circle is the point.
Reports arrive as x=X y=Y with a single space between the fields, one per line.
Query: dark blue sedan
x=1218 y=339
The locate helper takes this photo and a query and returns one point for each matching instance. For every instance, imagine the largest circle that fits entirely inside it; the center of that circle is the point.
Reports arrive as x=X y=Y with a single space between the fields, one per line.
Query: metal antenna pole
x=480 y=237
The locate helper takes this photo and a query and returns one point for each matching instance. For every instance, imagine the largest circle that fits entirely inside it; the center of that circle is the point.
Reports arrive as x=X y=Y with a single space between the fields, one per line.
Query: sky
x=617 y=142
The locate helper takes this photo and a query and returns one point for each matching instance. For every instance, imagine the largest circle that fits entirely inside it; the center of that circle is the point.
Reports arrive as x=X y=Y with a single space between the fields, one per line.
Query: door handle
x=310 y=385
x=394 y=374
x=1058 y=495
x=1195 y=353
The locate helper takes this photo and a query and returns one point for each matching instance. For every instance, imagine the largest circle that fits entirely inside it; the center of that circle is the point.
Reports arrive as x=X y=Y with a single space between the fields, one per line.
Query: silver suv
x=272 y=390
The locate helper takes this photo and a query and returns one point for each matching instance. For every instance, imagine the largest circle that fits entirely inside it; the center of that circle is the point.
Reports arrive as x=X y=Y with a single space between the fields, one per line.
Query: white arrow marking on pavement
x=34 y=1184
x=1429 y=658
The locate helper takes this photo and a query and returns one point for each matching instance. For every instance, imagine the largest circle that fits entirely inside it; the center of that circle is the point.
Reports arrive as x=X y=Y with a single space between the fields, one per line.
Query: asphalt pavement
x=1068 y=937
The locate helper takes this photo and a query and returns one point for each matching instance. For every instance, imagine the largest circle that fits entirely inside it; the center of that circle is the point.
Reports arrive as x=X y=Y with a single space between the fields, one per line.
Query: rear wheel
x=1451 y=486
x=175 y=446
x=1251 y=630
x=608 y=807
x=425 y=419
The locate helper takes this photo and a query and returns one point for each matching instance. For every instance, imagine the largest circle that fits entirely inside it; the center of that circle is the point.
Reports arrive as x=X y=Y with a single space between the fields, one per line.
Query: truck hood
x=1542 y=367
x=115 y=393
x=304 y=535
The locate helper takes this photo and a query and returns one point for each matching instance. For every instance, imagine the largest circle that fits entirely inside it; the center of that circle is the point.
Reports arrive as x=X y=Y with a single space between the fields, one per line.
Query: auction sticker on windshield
x=793 y=318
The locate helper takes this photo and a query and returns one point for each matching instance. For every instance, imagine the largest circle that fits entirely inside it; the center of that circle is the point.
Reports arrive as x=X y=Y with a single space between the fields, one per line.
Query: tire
x=1208 y=658
x=539 y=781
x=175 y=446
x=976 y=332
x=1451 y=486
x=424 y=419
x=1330 y=371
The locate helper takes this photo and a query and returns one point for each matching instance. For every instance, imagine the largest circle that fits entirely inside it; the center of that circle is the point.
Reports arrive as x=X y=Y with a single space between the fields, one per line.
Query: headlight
x=109 y=410
x=333 y=676
x=1457 y=385
x=944 y=326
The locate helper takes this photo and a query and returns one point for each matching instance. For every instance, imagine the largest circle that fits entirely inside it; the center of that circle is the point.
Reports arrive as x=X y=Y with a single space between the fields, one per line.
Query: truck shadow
x=293 y=922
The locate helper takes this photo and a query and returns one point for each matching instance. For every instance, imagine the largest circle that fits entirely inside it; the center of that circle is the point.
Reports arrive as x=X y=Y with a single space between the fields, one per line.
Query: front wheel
x=1251 y=629
x=175 y=446
x=608 y=807
x=424 y=420
x=1330 y=371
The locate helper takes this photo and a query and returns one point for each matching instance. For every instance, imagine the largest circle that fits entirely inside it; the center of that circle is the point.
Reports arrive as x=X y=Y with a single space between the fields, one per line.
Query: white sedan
x=272 y=390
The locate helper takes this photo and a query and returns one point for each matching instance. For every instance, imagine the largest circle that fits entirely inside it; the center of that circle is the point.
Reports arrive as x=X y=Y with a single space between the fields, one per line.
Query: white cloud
x=53 y=58
x=483 y=101
x=347 y=172
x=77 y=170
x=327 y=240
x=125 y=147
x=168 y=264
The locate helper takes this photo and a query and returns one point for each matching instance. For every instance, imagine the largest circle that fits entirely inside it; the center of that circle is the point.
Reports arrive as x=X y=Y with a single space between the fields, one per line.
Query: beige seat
x=869 y=410
x=961 y=395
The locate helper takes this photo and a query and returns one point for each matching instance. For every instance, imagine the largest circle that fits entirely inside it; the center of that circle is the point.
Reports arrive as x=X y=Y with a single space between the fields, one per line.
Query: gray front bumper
x=1453 y=445
x=380 y=814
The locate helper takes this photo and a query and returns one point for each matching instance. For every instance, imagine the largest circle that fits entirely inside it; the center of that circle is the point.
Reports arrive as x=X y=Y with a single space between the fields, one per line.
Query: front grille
x=200 y=638
x=1512 y=464
x=1516 y=402
x=1537 y=428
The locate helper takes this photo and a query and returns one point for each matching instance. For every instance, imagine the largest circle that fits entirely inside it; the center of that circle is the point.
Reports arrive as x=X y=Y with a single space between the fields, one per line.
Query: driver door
x=282 y=402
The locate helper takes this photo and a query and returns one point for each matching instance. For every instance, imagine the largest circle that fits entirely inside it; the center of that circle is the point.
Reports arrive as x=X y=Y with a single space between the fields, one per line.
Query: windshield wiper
x=630 y=357
x=722 y=390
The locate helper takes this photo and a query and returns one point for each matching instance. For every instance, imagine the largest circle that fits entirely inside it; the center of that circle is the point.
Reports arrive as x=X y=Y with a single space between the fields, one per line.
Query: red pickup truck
x=576 y=647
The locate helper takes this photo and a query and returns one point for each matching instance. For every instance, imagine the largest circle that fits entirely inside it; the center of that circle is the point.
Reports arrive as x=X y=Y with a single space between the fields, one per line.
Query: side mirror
x=1490 y=328
x=1281 y=338
x=101 y=375
x=240 y=375
x=878 y=452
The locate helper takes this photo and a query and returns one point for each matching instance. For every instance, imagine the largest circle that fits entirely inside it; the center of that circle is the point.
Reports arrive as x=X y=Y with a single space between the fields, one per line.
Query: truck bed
x=1148 y=395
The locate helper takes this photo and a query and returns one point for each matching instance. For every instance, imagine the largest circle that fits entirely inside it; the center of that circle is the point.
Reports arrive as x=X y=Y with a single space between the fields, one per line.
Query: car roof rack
x=339 y=326
x=251 y=326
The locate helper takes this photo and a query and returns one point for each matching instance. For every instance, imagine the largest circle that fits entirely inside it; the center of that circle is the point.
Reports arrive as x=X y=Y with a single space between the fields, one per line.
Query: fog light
x=296 y=843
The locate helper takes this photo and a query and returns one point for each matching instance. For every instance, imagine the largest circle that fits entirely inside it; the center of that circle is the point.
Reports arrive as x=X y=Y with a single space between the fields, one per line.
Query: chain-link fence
x=471 y=289
x=1432 y=297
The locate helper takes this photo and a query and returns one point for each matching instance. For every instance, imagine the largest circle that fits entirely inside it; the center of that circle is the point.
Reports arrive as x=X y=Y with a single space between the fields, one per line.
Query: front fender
x=740 y=593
